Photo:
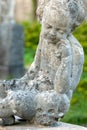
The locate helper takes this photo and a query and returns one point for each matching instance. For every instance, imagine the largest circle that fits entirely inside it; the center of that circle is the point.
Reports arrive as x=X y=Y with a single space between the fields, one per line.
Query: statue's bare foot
x=7 y=121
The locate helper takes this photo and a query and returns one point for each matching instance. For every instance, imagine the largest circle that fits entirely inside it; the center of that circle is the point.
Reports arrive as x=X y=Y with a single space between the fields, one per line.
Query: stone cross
x=7 y=10
x=42 y=96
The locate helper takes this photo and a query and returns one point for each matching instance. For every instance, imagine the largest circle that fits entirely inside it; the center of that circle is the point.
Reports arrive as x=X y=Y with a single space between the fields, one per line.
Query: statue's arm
x=62 y=82
x=69 y=72
x=78 y=61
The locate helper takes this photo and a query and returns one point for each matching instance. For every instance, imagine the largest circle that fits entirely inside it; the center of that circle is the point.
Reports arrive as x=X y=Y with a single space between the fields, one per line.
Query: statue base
x=26 y=126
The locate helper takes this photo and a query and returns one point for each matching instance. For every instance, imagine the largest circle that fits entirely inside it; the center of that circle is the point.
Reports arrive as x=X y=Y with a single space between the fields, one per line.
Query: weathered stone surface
x=12 y=49
x=26 y=126
x=42 y=96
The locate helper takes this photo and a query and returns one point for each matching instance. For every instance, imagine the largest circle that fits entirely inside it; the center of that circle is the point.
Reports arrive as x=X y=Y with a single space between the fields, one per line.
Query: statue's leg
x=6 y=113
x=3 y=89
x=5 y=86
x=19 y=103
x=50 y=107
x=14 y=84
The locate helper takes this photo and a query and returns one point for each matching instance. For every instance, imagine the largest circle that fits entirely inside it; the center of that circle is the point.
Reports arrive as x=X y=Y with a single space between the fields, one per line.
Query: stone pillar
x=11 y=50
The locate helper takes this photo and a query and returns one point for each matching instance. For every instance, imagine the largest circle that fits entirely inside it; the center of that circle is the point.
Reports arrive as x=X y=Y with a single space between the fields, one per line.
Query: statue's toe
x=8 y=121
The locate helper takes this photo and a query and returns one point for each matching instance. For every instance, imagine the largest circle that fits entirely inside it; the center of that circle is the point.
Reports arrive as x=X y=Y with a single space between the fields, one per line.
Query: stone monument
x=42 y=96
x=11 y=42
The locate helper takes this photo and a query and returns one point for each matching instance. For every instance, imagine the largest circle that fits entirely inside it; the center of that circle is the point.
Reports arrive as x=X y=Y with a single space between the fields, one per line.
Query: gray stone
x=12 y=49
x=59 y=126
x=42 y=96
x=7 y=11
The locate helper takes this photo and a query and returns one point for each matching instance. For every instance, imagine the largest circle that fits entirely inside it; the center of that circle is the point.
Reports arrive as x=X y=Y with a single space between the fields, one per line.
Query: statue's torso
x=51 y=58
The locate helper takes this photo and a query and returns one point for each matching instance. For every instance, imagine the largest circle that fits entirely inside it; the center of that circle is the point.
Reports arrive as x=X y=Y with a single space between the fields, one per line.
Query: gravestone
x=12 y=50
x=11 y=42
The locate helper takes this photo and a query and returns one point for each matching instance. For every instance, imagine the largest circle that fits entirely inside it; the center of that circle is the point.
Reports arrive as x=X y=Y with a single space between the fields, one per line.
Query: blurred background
x=25 y=16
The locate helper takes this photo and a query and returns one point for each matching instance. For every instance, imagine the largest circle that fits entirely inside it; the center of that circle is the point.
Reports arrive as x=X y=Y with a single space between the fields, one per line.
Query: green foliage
x=32 y=32
x=78 y=109
x=29 y=56
x=81 y=35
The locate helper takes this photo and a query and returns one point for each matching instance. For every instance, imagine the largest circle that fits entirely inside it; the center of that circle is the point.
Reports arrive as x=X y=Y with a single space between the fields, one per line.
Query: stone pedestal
x=11 y=50
x=26 y=126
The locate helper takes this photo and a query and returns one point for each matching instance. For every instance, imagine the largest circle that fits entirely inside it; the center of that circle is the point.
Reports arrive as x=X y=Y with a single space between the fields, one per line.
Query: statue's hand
x=3 y=90
x=4 y=87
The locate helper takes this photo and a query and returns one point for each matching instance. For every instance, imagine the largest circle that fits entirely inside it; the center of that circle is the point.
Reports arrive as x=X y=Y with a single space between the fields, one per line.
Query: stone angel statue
x=43 y=94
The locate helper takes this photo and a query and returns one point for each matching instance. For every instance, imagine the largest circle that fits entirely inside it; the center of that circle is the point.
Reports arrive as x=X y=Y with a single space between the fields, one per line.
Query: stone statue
x=43 y=94
x=41 y=5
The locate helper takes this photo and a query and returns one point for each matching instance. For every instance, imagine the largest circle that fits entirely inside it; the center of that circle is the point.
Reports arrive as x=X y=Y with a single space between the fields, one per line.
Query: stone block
x=12 y=49
x=26 y=126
